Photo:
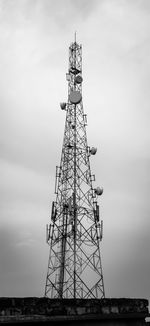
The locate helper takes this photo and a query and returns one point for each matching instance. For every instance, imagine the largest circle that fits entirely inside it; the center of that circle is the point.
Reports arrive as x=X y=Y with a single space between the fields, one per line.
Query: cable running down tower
x=75 y=231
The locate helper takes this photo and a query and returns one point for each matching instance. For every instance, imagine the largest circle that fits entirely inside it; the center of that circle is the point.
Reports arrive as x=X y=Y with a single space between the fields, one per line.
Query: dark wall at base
x=110 y=312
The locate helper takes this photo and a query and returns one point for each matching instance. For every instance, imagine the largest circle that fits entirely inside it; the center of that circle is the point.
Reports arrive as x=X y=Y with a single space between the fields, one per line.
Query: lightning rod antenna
x=75 y=35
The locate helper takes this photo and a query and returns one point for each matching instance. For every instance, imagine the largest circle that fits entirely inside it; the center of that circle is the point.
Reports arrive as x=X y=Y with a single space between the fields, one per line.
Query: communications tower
x=75 y=231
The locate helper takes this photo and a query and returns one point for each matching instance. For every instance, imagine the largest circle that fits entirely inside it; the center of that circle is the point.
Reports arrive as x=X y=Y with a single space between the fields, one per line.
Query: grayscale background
x=34 y=40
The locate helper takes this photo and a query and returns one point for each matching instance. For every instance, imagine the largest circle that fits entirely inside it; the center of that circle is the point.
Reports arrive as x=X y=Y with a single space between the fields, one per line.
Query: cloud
x=24 y=196
x=48 y=16
x=21 y=264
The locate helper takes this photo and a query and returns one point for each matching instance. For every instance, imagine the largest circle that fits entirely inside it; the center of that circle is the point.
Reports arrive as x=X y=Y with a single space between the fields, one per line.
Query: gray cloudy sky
x=34 y=40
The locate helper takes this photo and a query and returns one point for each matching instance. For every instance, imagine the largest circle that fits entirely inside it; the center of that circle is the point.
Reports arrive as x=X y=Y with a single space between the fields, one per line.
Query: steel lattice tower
x=75 y=231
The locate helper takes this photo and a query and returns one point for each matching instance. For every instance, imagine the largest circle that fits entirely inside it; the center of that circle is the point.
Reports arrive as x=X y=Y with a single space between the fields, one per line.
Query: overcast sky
x=34 y=40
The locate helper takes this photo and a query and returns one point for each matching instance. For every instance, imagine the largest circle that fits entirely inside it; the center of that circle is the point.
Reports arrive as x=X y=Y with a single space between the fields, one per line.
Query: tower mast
x=75 y=231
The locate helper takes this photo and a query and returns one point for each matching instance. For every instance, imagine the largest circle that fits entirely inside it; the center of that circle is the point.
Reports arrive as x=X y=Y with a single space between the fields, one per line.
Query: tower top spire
x=75 y=36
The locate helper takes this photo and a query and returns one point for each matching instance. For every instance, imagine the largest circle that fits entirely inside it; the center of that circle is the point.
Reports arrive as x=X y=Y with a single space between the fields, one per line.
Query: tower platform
x=111 y=312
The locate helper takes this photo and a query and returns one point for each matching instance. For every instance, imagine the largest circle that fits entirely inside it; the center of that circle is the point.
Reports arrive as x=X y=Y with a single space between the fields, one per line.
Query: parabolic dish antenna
x=75 y=97
x=78 y=79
